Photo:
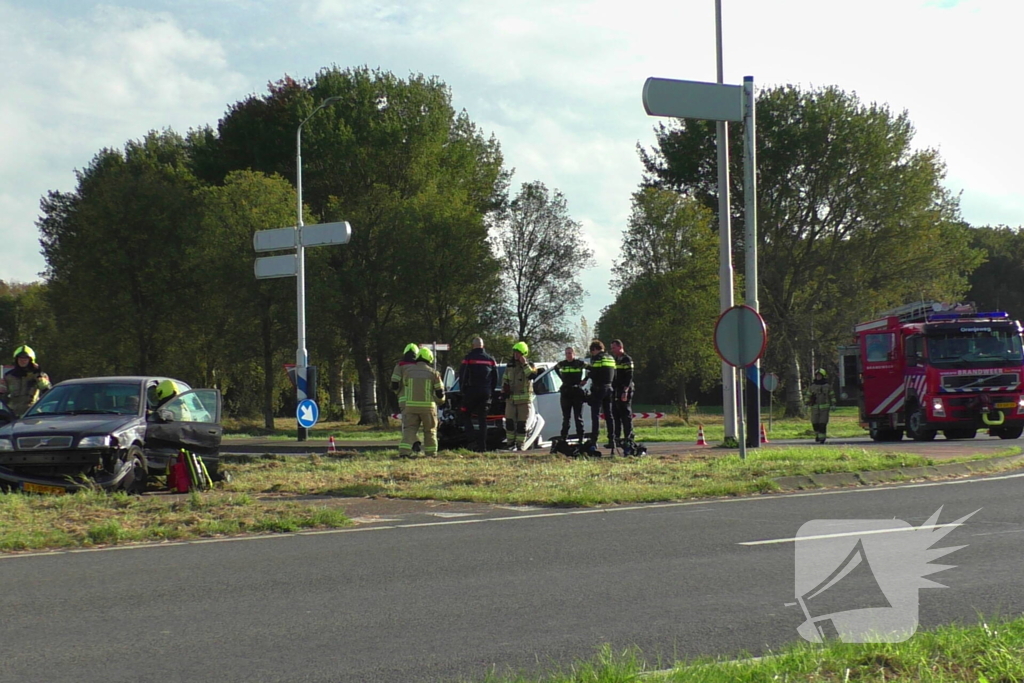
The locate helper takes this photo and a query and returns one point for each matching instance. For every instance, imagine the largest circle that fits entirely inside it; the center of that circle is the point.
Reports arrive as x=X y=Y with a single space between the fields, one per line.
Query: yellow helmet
x=411 y=348
x=522 y=348
x=821 y=371
x=165 y=390
x=25 y=350
x=425 y=354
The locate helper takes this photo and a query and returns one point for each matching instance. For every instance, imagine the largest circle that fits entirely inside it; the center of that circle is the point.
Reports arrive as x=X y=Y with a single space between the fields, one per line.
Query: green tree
x=667 y=299
x=119 y=284
x=994 y=285
x=543 y=253
x=389 y=151
x=241 y=319
x=851 y=219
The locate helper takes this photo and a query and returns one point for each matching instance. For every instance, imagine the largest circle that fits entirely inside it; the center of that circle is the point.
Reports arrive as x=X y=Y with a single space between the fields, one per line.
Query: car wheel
x=135 y=481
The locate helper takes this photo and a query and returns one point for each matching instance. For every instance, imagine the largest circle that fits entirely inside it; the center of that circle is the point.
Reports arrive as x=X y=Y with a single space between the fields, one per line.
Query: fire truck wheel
x=960 y=433
x=1007 y=432
x=916 y=429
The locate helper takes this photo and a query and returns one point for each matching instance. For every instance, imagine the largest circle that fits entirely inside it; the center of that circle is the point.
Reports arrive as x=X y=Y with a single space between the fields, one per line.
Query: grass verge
x=986 y=653
x=263 y=496
x=91 y=518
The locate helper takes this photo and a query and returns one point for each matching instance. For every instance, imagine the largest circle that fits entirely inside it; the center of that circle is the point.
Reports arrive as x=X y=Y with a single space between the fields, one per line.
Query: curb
x=802 y=482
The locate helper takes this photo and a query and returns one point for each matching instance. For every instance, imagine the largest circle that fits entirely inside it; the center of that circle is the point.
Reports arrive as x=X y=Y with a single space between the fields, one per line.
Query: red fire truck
x=929 y=367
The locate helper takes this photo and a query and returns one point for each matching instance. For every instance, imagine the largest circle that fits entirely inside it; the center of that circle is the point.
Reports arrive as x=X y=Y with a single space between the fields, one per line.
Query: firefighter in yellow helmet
x=398 y=374
x=517 y=390
x=422 y=392
x=22 y=385
x=167 y=390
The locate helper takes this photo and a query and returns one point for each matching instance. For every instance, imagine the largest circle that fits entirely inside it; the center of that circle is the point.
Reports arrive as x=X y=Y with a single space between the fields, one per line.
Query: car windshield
x=93 y=398
x=994 y=346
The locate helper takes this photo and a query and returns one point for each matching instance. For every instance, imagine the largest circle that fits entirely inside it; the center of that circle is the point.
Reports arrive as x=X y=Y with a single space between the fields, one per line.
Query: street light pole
x=301 y=355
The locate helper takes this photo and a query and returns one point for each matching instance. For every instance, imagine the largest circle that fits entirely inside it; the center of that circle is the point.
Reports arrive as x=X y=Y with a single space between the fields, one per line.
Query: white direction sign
x=693 y=100
x=326 y=233
x=285 y=265
x=273 y=240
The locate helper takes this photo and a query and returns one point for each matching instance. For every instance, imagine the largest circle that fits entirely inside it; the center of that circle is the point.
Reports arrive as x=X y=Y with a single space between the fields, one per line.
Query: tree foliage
x=995 y=284
x=543 y=253
x=668 y=294
x=851 y=218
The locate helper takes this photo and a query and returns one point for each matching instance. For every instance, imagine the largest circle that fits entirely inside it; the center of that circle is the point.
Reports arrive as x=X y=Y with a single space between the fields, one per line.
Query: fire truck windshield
x=980 y=345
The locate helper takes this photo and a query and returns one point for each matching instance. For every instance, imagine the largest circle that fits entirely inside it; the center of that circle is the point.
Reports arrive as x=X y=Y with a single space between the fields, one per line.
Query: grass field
x=844 y=423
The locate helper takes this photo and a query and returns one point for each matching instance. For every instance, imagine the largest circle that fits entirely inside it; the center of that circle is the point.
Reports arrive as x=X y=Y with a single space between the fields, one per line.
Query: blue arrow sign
x=307 y=412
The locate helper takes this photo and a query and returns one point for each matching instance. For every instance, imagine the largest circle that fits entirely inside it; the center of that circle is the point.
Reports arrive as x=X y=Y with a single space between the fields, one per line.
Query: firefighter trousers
x=517 y=416
x=412 y=418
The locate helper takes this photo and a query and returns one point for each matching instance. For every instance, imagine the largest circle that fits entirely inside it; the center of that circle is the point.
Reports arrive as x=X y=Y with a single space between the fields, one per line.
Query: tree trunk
x=367 y=390
x=336 y=387
x=794 y=392
x=268 y=372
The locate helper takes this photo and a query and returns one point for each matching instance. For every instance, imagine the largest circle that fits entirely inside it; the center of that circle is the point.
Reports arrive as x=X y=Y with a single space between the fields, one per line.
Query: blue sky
x=558 y=83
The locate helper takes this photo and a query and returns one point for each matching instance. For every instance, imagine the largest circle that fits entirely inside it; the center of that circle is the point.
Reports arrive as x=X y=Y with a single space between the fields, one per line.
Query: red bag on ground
x=177 y=475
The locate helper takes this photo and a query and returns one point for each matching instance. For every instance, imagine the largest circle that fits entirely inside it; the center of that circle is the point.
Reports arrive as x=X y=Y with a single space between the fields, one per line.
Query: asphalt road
x=446 y=597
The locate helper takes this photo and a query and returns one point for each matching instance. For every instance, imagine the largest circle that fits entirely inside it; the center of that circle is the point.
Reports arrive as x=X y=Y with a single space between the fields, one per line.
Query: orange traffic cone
x=764 y=436
x=330 y=446
x=700 y=436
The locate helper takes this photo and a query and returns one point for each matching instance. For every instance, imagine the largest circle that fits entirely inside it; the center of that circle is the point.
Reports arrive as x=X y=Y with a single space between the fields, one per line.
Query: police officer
x=622 y=400
x=397 y=375
x=517 y=390
x=22 y=385
x=478 y=378
x=602 y=374
x=820 y=400
x=572 y=372
x=423 y=392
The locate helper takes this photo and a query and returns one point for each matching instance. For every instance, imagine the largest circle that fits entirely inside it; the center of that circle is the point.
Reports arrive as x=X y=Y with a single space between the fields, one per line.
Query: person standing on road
x=22 y=385
x=478 y=378
x=622 y=399
x=572 y=372
x=398 y=376
x=821 y=401
x=517 y=390
x=423 y=391
x=602 y=374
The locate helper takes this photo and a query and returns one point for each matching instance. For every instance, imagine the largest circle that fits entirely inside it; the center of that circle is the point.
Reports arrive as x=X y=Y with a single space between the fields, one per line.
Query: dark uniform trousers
x=600 y=401
x=475 y=407
x=571 y=399
x=622 y=417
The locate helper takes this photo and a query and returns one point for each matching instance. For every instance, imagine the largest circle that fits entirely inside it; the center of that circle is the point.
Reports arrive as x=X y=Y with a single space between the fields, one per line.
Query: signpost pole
x=750 y=238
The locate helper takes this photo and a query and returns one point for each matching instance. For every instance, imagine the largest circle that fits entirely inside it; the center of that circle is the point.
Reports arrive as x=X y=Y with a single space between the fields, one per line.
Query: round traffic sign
x=770 y=382
x=740 y=336
x=307 y=413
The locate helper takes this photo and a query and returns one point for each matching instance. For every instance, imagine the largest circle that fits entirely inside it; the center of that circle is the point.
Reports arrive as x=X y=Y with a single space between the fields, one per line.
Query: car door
x=190 y=420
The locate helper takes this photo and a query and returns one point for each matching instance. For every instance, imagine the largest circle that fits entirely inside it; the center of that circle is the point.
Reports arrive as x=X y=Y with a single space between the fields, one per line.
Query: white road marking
x=452 y=515
x=845 y=534
x=560 y=513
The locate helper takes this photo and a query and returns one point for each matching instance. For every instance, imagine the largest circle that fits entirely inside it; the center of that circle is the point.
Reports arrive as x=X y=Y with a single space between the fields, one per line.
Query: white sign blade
x=285 y=265
x=274 y=240
x=693 y=100
x=326 y=233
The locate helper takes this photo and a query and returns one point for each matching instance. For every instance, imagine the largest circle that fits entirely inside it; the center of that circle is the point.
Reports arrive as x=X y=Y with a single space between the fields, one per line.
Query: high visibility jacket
x=422 y=387
x=623 y=373
x=602 y=369
x=820 y=394
x=517 y=383
x=398 y=379
x=572 y=373
x=23 y=387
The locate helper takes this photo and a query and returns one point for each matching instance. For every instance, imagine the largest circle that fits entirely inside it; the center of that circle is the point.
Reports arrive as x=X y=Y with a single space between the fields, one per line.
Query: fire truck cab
x=930 y=367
